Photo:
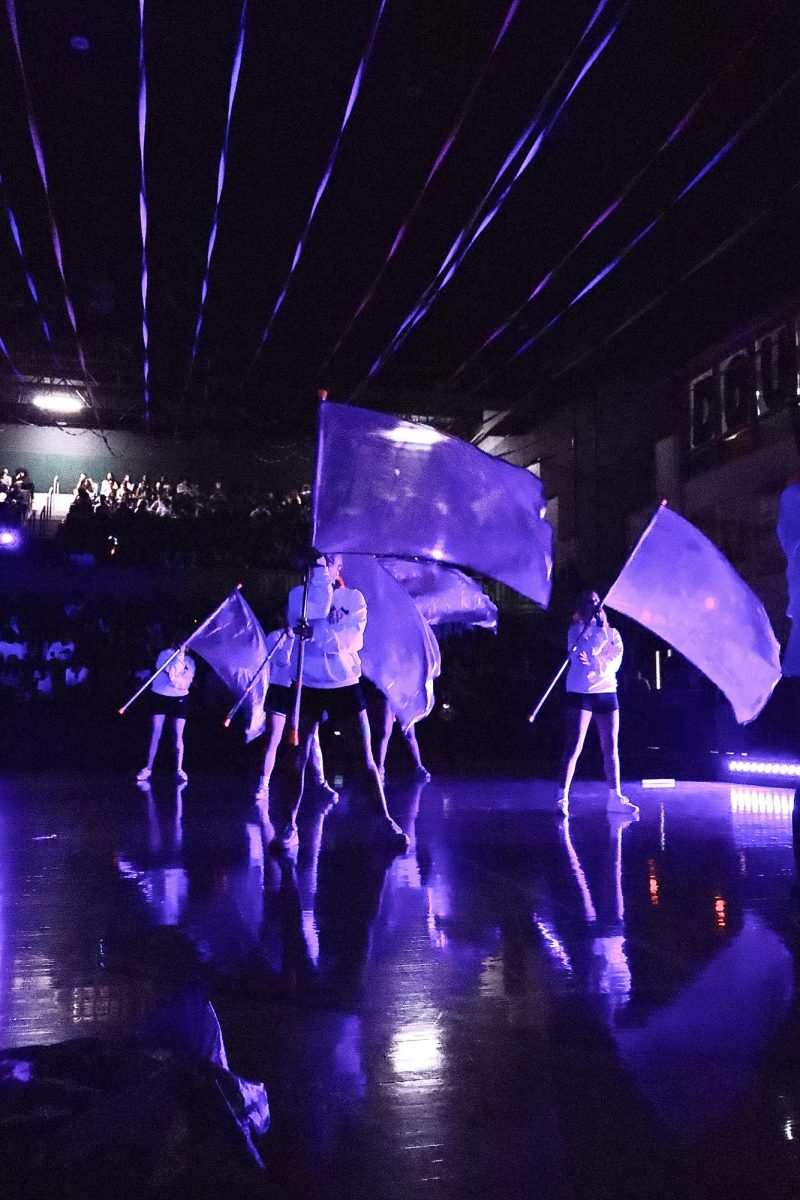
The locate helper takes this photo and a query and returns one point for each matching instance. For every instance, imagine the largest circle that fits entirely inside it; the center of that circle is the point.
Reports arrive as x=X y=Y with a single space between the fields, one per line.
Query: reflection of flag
x=392 y=487
x=679 y=585
x=442 y=594
x=695 y=1057
x=233 y=643
x=400 y=653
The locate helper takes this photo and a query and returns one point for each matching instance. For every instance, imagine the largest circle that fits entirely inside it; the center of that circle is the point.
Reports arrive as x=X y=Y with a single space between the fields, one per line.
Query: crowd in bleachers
x=16 y=495
x=181 y=523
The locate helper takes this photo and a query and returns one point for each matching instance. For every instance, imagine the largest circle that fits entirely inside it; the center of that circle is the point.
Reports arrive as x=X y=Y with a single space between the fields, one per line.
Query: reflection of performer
x=169 y=692
x=333 y=635
x=595 y=655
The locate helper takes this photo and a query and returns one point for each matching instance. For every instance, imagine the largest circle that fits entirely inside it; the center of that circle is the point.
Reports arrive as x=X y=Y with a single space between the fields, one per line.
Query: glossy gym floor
x=521 y=1006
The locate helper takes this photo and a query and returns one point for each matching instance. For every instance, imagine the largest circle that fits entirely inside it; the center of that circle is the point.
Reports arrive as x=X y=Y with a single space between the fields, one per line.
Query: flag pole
x=294 y=737
x=535 y=712
x=180 y=650
x=254 y=680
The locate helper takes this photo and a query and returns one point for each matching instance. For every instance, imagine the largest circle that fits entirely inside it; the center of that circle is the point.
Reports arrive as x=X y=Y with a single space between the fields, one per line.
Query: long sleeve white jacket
x=338 y=618
x=603 y=647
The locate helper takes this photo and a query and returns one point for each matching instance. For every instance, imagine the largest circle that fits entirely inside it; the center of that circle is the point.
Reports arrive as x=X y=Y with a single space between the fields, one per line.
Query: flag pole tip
x=664 y=502
x=322 y=394
x=239 y=587
x=226 y=722
x=121 y=711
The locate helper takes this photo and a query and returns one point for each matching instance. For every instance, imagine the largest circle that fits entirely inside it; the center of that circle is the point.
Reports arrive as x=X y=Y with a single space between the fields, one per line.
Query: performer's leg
x=577 y=722
x=385 y=723
x=608 y=729
x=287 y=821
x=411 y=737
x=276 y=723
x=180 y=724
x=318 y=769
x=356 y=729
x=155 y=737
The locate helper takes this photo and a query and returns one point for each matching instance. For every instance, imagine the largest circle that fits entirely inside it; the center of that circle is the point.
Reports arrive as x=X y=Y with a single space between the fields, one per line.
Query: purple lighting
x=748 y=766
x=9 y=539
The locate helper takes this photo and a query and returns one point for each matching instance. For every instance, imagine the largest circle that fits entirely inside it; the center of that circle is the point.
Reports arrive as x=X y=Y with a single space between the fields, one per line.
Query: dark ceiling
x=431 y=68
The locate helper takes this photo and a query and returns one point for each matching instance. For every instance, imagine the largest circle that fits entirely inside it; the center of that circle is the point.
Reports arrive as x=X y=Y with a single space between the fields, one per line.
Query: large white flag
x=233 y=643
x=442 y=594
x=679 y=585
x=400 y=654
x=391 y=487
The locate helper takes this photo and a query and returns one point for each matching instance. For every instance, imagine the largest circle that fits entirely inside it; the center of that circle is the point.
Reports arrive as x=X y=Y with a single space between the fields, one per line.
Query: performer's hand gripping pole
x=180 y=650
x=534 y=714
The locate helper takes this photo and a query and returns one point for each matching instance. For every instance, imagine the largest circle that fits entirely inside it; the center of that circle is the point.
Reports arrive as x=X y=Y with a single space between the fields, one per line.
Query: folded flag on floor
x=233 y=643
x=391 y=487
x=679 y=585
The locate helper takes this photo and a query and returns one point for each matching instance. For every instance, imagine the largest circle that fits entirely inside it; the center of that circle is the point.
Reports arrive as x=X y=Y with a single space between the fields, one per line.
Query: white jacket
x=338 y=618
x=603 y=645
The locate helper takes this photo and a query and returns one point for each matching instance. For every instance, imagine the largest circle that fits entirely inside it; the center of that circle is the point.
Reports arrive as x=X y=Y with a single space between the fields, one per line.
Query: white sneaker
x=617 y=803
x=144 y=774
x=262 y=791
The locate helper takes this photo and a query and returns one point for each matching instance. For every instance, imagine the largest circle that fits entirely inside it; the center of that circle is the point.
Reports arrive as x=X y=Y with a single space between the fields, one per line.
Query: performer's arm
x=343 y=631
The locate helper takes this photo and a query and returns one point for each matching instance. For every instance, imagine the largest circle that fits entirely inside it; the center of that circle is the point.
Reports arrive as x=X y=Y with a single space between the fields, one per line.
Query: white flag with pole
x=385 y=486
x=682 y=588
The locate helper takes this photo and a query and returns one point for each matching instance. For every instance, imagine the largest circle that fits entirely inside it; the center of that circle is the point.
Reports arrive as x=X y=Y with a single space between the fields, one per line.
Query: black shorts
x=337 y=703
x=169 y=706
x=279 y=698
x=593 y=702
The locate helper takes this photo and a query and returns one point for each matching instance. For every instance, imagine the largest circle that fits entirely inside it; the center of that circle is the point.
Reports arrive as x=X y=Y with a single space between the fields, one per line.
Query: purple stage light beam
x=12 y=221
x=446 y=147
x=537 y=130
x=142 y=117
x=712 y=162
x=237 y=63
x=681 y=127
x=9 y=360
x=40 y=162
x=354 y=90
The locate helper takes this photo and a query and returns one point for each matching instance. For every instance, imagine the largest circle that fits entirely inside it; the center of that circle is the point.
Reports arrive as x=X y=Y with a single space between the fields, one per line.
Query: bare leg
x=578 y=721
x=180 y=724
x=608 y=729
x=384 y=723
x=155 y=738
x=276 y=723
x=296 y=772
x=411 y=737
x=315 y=758
x=318 y=769
x=356 y=729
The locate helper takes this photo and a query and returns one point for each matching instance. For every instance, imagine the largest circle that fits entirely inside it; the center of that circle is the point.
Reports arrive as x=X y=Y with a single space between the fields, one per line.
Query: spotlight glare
x=57 y=402
x=786 y=770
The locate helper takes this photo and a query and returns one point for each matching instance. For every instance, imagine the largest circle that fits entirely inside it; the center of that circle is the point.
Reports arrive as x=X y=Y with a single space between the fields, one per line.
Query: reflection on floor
x=521 y=1006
